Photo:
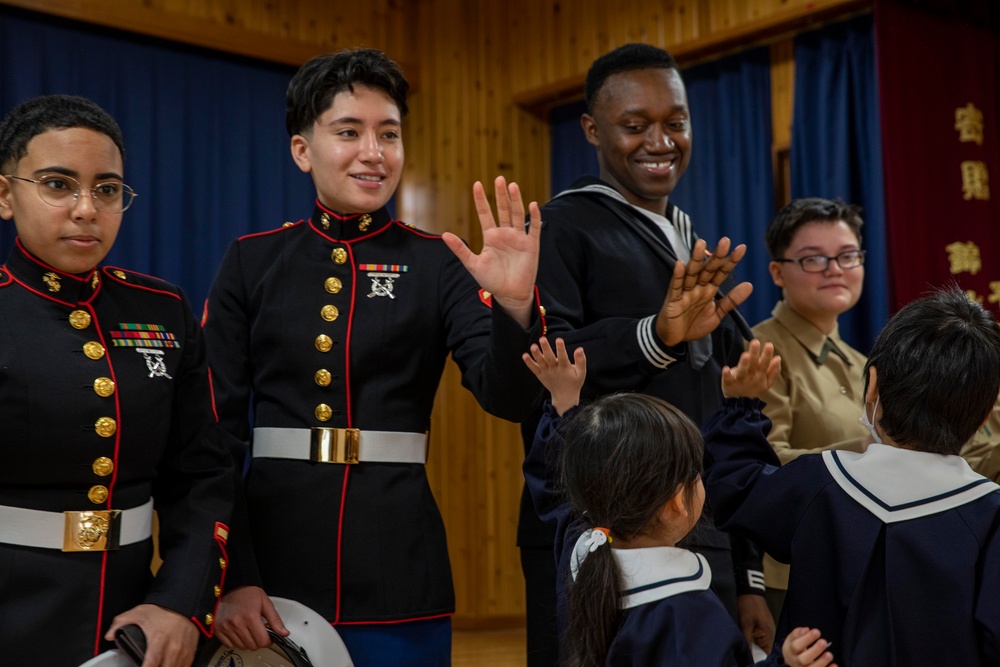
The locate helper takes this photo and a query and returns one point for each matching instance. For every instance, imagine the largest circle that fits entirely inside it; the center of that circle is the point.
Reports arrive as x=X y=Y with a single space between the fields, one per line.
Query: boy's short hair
x=799 y=212
x=626 y=58
x=312 y=89
x=938 y=366
x=51 y=112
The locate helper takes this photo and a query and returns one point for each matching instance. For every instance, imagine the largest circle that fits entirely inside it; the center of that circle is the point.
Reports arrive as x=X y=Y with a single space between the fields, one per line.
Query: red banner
x=939 y=92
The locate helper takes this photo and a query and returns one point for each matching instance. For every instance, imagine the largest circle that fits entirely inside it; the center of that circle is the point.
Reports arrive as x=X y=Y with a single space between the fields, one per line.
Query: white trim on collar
x=900 y=484
x=677 y=231
x=657 y=573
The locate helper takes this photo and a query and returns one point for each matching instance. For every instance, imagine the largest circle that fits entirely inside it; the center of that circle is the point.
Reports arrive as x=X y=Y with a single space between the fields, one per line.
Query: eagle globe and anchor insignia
x=95 y=530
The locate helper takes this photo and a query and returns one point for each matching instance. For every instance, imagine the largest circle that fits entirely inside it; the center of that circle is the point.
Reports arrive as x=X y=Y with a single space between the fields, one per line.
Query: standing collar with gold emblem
x=46 y=281
x=339 y=227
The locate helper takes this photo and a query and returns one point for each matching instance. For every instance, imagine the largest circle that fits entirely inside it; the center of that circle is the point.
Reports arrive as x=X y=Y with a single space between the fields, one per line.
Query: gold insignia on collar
x=51 y=281
x=95 y=281
x=119 y=274
x=325 y=221
x=364 y=221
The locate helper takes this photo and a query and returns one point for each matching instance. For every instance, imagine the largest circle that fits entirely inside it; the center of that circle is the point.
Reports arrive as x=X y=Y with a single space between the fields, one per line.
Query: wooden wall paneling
x=782 y=96
x=282 y=31
x=692 y=30
x=470 y=130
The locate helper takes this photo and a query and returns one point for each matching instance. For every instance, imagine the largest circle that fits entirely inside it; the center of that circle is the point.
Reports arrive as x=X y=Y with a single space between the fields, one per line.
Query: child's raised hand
x=804 y=647
x=562 y=377
x=756 y=372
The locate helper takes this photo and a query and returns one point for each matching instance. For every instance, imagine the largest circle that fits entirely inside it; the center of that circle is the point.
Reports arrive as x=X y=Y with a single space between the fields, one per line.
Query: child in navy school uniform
x=894 y=552
x=630 y=488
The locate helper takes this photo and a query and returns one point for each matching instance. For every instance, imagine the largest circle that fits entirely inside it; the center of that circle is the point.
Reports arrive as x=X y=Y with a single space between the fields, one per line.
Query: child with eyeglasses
x=106 y=410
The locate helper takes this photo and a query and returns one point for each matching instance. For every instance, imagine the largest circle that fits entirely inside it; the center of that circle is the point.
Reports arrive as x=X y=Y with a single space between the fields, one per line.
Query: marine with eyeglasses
x=106 y=411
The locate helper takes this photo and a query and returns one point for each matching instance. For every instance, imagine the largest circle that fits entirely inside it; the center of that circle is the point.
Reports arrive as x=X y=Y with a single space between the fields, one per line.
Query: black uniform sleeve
x=193 y=493
x=621 y=351
x=226 y=327
x=487 y=346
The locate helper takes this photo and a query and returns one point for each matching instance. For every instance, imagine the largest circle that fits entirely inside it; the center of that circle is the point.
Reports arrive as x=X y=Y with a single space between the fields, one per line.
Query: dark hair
x=938 y=365
x=625 y=456
x=312 y=89
x=51 y=112
x=626 y=58
x=799 y=212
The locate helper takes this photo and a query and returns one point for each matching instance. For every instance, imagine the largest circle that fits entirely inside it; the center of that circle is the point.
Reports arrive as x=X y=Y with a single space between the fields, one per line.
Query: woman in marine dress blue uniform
x=106 y=412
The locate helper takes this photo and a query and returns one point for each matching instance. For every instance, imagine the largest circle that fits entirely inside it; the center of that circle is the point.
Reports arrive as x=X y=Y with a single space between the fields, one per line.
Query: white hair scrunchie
x=598 y=537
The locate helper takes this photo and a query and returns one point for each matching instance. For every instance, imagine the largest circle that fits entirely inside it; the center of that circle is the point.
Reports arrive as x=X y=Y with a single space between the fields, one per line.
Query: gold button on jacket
x=79 y=319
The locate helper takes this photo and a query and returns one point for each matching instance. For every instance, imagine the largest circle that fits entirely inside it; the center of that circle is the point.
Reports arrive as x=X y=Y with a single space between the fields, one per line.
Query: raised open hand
x=508 y=263
x=756 y=372
x=562 y=376
x=690 y=310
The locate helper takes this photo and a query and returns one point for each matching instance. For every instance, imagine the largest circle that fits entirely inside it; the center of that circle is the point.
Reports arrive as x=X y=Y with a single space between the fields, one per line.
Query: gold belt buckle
x=92 y=530
x=334 y=445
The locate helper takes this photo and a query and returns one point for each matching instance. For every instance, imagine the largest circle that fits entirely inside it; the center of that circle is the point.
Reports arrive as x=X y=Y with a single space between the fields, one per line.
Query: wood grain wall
x=485 y=75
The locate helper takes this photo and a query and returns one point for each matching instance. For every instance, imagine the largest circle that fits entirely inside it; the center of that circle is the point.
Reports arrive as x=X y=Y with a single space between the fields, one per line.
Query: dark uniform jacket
x=104 y=402
x=347 y=322
x=601 y=283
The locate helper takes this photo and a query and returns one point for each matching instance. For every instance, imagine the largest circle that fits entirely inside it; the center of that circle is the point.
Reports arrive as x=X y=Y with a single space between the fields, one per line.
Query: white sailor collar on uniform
x=901 y=484
x=653 y=573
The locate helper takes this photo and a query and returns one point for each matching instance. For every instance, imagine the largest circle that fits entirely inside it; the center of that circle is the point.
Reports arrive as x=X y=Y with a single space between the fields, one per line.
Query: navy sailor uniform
x=602 y=283
x=104 y=401
x=670 y=614
x=347 y=322
x=895 y=553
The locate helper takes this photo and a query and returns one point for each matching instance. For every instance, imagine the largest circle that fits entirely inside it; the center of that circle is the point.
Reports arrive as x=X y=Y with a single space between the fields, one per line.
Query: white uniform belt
x=340 y=445
x=84 y=530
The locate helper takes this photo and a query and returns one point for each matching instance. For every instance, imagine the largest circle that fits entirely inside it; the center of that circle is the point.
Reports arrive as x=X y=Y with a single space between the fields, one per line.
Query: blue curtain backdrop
x=728 y=188
x=205 y=140
x=836 y=150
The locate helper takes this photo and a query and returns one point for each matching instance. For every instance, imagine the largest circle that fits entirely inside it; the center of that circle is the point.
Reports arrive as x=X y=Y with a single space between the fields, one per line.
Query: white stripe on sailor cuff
x=755 y=579
x=650 y=343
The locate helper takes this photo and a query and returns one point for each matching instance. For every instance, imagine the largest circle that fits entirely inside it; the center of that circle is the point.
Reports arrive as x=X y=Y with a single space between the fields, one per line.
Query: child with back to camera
x=630 y=471
x=621 y=477
x=894 y=552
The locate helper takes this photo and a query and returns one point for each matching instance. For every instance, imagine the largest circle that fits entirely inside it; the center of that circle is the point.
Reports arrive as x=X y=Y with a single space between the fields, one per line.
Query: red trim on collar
x=41 y=294
x=62 y=274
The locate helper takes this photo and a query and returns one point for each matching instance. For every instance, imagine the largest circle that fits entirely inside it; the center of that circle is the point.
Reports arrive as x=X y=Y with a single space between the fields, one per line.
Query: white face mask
x=867 y=422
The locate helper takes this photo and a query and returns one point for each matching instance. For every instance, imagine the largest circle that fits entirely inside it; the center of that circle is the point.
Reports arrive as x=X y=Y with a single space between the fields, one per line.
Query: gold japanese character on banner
x=964 y=257
x=975 y=180
x=995 y=289
x=969 y=123
x=972 y=296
